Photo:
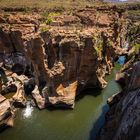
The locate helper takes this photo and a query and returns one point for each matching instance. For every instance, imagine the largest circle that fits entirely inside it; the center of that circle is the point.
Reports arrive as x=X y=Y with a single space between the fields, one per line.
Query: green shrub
x=137 y=47
x=49 y=20
x=43 y=29
x=49 y=17
x=98 y=44
x=45 y=15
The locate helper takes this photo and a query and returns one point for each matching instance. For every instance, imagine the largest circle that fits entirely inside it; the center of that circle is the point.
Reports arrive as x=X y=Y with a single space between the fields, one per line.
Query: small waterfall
x=122 y=58
x=27 y=112
x=126 y=45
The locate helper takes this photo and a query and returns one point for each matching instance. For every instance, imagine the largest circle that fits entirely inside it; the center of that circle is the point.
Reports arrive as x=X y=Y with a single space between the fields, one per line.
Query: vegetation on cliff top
x=60 y=5
x=47 y=4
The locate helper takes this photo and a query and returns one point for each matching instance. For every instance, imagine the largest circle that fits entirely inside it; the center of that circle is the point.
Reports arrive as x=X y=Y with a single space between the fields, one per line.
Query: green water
x=82 y=123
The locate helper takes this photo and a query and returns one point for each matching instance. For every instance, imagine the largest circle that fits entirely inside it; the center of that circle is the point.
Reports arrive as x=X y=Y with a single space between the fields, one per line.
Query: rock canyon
x=48 y=58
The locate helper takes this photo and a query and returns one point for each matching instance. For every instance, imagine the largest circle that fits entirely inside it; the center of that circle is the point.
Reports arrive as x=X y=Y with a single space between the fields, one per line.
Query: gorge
x=50 y=60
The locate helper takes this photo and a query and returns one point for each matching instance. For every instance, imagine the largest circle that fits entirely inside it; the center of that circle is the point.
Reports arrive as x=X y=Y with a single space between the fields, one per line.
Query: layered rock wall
x=74 y=52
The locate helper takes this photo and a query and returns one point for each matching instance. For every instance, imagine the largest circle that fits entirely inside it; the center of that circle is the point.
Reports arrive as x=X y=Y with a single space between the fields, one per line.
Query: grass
x=49 y=17
x=137 y=47
x=57 y=5
x=44 y=29
x=98 y=44
x=134 y=12
x=66 y=4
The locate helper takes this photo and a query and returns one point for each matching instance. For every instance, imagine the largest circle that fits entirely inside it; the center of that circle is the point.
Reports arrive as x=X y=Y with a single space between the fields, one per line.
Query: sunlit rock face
x=6 y=113
x=71 y=54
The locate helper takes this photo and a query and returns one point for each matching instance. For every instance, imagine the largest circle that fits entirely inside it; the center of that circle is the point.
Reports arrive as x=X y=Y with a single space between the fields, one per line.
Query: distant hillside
x=25 y=5
x=122 y=0
x=47 y=3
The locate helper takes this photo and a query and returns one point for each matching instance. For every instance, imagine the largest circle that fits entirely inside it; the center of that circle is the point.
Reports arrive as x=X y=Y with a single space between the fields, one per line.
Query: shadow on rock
x=90 y=91
x=98 y=124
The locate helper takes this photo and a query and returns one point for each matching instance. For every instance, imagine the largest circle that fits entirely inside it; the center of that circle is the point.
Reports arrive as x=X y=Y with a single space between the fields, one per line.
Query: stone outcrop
x=122 y=120
x=64 y=97
x=65 y=58
x=18 y=99
x=6 y=113
x=40 y=101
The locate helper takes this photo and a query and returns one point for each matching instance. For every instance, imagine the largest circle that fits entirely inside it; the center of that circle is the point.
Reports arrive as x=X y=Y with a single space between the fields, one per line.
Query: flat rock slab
x=6 y=115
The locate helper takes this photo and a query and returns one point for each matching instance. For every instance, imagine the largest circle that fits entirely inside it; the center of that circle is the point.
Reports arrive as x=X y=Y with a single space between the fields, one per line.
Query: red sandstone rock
x=40 y=101
x=64 y=97
x=63 y=55
x=18 y=99
x=6 y=114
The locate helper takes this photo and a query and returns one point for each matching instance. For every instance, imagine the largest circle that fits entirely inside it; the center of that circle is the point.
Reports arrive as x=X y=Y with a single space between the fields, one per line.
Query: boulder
x=6 y=113
x=19 y=99
x=40 y=101
x=64 y=97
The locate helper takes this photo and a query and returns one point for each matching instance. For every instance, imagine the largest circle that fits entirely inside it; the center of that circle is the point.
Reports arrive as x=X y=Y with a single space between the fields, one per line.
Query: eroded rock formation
x=74 y=52
x=6 y=113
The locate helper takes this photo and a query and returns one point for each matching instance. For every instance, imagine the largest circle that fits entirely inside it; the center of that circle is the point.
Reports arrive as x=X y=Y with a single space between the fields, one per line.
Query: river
x=82 y=123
